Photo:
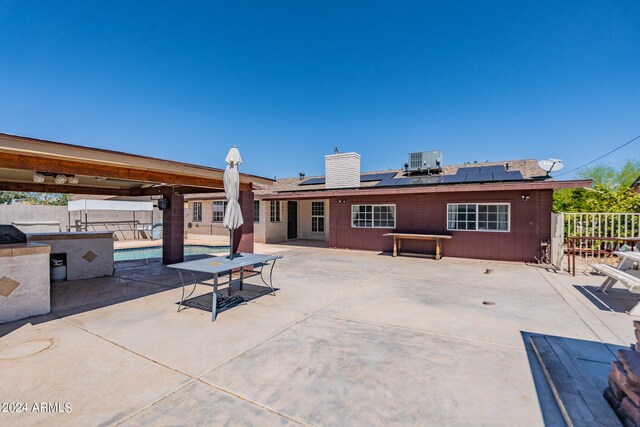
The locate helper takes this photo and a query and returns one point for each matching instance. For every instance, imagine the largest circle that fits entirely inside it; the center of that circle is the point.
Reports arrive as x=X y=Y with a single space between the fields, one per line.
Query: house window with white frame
x=217 y=213
x=197 y=212
x=317 y=217
x=256 y=211
x=373 y=216
x=275 y=211
x=479 y=216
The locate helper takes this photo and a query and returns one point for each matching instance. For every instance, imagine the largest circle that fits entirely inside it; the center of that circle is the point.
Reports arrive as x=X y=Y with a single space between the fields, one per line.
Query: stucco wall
x=31 y=272
x=33 y=213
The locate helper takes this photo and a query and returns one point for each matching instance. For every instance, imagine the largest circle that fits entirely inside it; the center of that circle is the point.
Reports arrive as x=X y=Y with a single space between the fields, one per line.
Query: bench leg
x=395 y=246
x=635 y=311
x=607 y=284
x=438 y=250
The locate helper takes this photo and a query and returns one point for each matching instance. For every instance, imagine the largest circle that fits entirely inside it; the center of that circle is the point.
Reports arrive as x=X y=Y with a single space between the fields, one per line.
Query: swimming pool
x=156 y=252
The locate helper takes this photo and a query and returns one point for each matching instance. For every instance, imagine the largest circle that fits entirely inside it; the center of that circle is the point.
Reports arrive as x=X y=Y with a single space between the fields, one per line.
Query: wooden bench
x=614 y=275
x=397 y=240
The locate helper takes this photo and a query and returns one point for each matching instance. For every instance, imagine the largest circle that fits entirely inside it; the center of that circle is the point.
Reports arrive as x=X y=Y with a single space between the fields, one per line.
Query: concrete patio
x=352 y=338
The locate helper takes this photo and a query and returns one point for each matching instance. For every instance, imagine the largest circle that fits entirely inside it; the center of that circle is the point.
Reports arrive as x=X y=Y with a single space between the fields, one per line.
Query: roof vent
x=301 y=176
x=425 y=161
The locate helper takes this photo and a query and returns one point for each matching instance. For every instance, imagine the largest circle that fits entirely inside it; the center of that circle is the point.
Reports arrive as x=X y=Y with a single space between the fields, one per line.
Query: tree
x=611 y=191
x=8 y=197
x=610 y=176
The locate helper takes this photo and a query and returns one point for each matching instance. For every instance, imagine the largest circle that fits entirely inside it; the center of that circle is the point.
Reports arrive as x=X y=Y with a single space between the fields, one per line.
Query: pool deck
x=352 y=338
x=129 y=244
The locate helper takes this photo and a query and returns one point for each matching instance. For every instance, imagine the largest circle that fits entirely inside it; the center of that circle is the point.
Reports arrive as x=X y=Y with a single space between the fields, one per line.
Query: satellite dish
x=551 y=165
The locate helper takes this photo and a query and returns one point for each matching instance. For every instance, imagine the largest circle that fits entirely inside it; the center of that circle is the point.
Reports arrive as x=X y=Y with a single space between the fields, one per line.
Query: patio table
x=619 y=273
x=249 y=265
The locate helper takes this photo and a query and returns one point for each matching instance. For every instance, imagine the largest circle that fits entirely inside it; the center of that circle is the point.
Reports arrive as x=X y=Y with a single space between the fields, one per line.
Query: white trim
x=508 y=230
x=279 y=212
x=324 y=209
x=213 y=210
x=193 y=205
x=395 y=214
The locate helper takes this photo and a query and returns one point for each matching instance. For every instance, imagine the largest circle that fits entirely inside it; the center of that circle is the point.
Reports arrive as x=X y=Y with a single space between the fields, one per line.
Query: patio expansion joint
x=69 y=322
x=581 y=303
x=295 y=322
x=252 y=402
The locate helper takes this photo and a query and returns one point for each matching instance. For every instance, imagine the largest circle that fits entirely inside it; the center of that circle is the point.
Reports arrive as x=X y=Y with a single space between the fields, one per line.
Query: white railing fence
x=601 y=231
x=617 y=225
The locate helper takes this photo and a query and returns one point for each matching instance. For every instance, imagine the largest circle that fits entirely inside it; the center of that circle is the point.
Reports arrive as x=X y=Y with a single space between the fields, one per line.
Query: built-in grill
x=10 y=234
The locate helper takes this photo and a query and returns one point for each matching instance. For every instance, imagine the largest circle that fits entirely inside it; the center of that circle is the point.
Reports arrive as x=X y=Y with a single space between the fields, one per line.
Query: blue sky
x=288 y=81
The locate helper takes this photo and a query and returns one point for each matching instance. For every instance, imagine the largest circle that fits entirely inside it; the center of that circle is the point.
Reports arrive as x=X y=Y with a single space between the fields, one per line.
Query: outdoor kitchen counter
x=70 y=235
x=86 y=254
x=24 y=280
x=19 y=249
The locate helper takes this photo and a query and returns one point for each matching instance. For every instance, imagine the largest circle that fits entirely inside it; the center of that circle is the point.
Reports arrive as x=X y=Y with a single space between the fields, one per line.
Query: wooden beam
x=72 y=167
x=181 y=189
x=68 y=189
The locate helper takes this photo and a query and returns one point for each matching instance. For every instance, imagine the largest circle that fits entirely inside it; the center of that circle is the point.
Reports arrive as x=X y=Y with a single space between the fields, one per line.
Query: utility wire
x=604 y=155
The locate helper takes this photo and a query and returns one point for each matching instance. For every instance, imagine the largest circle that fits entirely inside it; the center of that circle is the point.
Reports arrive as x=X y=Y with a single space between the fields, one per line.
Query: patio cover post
x=173 y=229
x=243 y=236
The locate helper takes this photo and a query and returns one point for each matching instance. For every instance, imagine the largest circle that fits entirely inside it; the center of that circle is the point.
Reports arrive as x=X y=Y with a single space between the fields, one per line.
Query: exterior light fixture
x=38 y=177
x=525 y=197
x=72 y=180
x=60 y=179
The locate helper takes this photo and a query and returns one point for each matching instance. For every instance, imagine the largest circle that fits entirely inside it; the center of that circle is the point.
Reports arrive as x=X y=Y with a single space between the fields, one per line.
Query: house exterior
x=636 y=185
x=493 y=210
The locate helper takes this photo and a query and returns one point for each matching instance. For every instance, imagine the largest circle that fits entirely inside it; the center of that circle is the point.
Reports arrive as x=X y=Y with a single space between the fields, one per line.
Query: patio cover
x=108 y=205
x=113 y=173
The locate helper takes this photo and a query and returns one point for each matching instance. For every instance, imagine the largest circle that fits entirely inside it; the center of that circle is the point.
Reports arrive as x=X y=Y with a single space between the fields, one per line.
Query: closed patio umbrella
x=233 y=213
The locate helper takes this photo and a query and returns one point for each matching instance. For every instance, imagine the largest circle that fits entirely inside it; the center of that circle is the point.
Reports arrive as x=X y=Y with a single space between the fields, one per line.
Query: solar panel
x=454 y=179
x=376 y=176
x=312 y=181
x=507 y=176
x=492 y=169
x=479 y=177
x=468 y=170
x=387 y=182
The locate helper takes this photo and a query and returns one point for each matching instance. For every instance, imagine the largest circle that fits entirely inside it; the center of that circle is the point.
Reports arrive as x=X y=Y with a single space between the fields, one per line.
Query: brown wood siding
x=530 y=224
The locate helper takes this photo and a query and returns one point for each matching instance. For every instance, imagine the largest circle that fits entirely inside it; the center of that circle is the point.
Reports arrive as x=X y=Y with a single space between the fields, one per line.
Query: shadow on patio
x=618 y=300
x=131 y=280
x=303 y=243
x=570 y=376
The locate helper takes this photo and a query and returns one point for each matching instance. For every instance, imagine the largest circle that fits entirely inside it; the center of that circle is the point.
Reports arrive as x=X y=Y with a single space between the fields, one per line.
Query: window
x=478 y=216
x=373 y=216
x=317 y=217
x=275 y=211
x=256 y=211
x=197 y=212
x=217 y=214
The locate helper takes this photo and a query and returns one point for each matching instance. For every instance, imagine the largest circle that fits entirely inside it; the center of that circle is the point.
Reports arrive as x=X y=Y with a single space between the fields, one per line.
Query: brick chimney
x=342 y=170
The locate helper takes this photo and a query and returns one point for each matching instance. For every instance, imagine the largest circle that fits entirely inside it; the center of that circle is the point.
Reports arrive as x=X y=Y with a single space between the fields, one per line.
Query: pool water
x=156 y=252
